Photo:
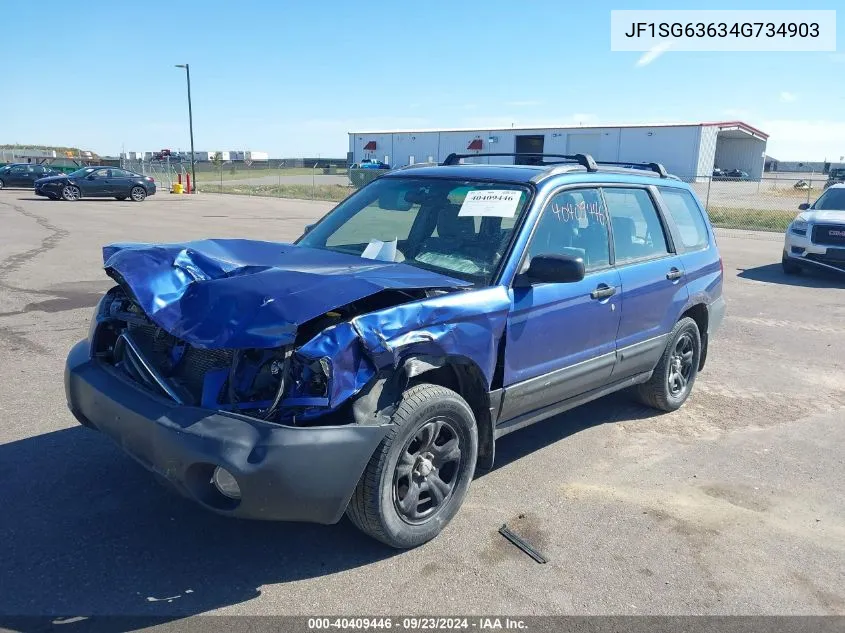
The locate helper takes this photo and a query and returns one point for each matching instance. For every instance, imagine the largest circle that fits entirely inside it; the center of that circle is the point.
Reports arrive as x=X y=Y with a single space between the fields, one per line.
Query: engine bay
x=270 y=384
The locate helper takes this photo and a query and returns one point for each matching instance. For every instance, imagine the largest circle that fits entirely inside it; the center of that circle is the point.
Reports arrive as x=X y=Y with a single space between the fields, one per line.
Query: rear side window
x=637 y=230
x=687 y=216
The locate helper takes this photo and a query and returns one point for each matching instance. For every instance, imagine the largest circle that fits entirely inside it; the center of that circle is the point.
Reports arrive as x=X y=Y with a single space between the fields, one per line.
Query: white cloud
x=796 y=139
x=653 y=53
x=788 y=97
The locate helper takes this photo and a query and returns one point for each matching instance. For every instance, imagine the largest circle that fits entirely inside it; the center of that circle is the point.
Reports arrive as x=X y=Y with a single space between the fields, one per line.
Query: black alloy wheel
x=427 y=470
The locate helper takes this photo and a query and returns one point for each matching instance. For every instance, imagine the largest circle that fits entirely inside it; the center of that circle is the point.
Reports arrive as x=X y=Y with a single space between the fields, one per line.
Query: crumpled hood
x=234 y=293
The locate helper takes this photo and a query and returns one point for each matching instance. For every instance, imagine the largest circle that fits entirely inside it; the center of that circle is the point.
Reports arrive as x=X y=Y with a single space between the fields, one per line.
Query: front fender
x=465 y=324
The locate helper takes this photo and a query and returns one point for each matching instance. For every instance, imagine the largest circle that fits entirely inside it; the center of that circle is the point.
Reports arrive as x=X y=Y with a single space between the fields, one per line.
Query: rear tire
x=790 y=267
x=419 y=475
x=138 y=194
x=2 y=184
x=70 y=193
x=673 y=378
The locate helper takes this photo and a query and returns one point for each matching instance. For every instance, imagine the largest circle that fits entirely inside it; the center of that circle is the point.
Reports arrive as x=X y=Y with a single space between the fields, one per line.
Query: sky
x=293 y=78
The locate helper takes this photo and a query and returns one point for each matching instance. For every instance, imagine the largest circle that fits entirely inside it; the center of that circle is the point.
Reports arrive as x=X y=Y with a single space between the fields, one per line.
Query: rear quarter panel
x=703 y=275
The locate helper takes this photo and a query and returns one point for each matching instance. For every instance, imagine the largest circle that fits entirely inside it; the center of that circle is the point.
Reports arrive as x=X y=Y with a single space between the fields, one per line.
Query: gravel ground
x=732 y=505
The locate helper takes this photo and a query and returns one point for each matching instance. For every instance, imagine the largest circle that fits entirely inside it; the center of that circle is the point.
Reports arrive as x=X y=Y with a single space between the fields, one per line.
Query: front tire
x=790 y=267
x=138 y=194
x=419 y=475
x=70 y=193
x=673 y=378
x=2 y=184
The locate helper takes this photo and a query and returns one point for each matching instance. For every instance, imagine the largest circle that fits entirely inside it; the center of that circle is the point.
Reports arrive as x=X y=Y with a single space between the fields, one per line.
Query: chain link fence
x=768 y=204
x=309 y=179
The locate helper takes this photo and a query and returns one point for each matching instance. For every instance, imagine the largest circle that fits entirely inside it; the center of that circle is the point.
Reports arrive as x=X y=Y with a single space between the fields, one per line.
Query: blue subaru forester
x=369 y=368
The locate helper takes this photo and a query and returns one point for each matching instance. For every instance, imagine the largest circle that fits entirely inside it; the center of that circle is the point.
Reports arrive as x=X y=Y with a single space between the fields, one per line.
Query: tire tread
x=363 y=509
x=654 y=392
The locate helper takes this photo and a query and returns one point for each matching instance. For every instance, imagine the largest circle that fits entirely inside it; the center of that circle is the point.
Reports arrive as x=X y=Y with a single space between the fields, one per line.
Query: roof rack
x=655 y=167
x=585 y=160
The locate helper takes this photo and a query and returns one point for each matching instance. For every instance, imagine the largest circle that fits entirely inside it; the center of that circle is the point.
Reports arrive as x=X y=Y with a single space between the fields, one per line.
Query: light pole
x=187 y=68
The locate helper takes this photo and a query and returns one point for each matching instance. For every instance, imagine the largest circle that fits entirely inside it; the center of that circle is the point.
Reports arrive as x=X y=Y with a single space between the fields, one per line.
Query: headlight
x=799 y=227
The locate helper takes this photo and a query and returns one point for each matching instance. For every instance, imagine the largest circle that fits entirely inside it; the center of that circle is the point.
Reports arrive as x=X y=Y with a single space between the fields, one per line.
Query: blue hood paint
x=236 y=293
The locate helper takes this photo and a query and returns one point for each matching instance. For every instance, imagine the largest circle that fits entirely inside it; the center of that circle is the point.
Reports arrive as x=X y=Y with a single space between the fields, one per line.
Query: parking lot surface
x=732 y=505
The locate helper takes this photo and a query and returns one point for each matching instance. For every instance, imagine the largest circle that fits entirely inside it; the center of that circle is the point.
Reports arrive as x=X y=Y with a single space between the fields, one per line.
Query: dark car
x=369 y=367
x=24 y=174
x=97 y=182
x=835 y=176
x=736 y=174
x=730 y=174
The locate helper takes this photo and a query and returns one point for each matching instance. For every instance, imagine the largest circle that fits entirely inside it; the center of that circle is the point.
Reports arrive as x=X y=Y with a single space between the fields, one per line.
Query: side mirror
x=90 y=177
x=554 y=269
x=308 y=228
x=803 y=206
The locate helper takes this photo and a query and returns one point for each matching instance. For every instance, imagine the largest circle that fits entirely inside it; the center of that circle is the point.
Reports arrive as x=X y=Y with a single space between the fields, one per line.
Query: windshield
x=831 y=200
x=454 y=227
x=80 y=173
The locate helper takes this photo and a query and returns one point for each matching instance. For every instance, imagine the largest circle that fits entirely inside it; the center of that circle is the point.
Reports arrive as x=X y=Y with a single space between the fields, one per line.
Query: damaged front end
x=175 y=322
x=225 y=379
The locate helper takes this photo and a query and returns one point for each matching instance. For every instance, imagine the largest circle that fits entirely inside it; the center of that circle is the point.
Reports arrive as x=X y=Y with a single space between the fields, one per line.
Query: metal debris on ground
x=525 y=547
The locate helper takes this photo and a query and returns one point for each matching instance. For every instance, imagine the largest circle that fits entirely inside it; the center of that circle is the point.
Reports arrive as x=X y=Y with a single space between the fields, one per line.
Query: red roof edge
x=740 y=124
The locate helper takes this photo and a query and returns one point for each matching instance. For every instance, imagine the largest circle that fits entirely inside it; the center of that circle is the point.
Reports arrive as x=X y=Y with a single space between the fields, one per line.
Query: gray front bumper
x=285 y=473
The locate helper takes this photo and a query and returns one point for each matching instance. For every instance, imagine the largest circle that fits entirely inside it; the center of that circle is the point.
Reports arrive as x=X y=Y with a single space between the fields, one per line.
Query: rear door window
x=637 y=230
x=687 y=217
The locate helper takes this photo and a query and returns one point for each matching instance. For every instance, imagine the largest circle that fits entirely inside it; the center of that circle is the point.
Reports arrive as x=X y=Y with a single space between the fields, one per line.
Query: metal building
x=688 y=150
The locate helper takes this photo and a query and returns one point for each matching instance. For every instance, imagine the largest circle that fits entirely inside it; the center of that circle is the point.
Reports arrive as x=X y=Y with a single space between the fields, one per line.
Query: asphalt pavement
x=732 y=505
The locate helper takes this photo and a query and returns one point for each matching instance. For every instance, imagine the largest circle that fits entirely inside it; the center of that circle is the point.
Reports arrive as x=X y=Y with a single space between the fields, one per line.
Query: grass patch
x=242 y=174
x=751 y=219
x=332 y=193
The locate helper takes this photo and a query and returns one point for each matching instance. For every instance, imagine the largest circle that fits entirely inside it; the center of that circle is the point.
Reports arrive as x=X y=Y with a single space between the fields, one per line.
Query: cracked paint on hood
x=234 y=293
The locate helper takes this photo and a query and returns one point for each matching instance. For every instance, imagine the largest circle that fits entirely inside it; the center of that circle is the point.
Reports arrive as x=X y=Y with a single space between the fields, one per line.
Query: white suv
x=817 y=235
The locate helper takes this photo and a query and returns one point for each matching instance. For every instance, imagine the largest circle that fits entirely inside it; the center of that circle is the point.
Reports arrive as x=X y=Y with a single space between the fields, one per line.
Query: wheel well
x=701 y=316
x=466 y=379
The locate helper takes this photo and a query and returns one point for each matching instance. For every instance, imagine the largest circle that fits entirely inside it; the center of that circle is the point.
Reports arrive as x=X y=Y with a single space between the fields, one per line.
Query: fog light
x=225 y=482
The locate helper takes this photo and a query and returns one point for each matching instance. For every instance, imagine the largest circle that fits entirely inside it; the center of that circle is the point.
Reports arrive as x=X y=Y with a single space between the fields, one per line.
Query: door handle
x=603 y=291
x=674 y=274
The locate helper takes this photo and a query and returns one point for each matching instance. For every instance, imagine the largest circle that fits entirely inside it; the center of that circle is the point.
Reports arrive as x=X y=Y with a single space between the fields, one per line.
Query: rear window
x=687 y=216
